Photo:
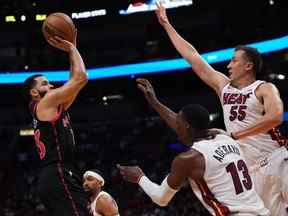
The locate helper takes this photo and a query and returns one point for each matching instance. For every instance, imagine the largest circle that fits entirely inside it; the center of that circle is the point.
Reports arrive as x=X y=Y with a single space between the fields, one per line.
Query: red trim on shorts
x=276 y=135
x=210 y=200
x=61 y=172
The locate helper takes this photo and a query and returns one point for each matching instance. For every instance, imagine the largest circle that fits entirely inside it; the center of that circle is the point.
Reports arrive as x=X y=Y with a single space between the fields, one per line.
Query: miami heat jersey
x=54 y=139
x=241 y=109
x=226 y=188
x=94 y=203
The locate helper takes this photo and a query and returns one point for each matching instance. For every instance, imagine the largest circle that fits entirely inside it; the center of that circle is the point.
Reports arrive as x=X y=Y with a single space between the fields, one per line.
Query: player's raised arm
x=78 y=76
x=211 y=77
x=165 y=113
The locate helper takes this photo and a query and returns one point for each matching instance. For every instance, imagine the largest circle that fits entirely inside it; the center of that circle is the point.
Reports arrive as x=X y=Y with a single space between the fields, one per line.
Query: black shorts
x=61 y=192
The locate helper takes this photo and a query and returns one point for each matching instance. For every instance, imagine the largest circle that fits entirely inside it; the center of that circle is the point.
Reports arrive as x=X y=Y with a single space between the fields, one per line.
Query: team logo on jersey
x=264 y=162
x=235 y=98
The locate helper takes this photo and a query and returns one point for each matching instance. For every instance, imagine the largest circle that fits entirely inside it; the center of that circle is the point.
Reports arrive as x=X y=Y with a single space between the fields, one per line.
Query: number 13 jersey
x=226 y=187
x=241 y=109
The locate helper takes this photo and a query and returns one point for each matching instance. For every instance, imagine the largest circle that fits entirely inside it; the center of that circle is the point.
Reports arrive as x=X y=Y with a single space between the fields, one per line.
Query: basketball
x=59 y=24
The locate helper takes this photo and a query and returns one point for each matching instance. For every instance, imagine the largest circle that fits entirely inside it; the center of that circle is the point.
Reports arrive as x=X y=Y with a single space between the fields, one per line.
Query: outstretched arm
x=160 y=194
x=189 y=164
x=273 y=108
x=78 y=78
x=165 y=113
x=211 y=77
x=73 y=97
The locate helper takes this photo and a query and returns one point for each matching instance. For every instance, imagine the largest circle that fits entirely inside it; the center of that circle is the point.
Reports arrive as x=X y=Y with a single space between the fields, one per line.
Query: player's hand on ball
x=130 y=173
x=60 y=43
x=145 y=86
x=161 y=13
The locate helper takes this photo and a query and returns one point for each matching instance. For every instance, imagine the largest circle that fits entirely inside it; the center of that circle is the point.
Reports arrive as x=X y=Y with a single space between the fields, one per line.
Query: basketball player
x=59 y=187
x=252 y=109
x=101 y=203
x=214 y=166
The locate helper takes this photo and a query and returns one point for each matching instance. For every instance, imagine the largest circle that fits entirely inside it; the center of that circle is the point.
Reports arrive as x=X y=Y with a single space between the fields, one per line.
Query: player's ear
x=34 y=92
x=249 y=66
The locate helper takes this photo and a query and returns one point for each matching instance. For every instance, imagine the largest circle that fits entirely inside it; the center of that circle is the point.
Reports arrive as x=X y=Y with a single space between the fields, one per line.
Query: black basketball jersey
x=54 y=139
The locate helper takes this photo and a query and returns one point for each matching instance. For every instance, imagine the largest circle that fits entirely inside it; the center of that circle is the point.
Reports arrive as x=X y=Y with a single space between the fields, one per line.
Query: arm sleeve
x=160 y=194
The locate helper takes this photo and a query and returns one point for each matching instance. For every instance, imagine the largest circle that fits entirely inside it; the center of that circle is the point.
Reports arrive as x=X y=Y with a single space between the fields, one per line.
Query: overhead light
x=23 y=18
x=10 y=19
x=213 y=116
x=281 y=76
x=40 y=17
x=26 y=132
x=274 y=76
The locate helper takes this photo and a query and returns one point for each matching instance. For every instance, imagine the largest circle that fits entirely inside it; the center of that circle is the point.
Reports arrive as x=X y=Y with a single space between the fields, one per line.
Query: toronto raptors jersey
x=54 y=139
x=94 y=203
x=226 y=188
x=241 y=109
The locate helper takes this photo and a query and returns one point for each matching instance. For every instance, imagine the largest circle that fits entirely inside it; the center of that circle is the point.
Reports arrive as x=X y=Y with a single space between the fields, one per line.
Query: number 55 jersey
x=241 y=109
x=226 y=188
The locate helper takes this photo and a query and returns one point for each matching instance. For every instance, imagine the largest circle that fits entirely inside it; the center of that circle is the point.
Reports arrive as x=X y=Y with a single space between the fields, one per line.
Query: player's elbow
x=278 y=117
x=84 y=79
x=81 y=79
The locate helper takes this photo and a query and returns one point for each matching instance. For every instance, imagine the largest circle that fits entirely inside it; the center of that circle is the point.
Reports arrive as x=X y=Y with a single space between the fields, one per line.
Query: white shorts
x=270 y=177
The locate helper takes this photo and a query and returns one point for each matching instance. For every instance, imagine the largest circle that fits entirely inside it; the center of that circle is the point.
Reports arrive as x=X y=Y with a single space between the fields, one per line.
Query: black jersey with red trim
x=54 y=139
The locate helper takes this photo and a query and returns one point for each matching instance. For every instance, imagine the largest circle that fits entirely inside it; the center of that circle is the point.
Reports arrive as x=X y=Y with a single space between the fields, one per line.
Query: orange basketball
x=59 y=24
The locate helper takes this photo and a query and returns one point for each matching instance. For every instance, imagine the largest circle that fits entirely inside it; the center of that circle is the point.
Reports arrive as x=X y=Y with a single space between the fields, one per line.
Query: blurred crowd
x=144 y=142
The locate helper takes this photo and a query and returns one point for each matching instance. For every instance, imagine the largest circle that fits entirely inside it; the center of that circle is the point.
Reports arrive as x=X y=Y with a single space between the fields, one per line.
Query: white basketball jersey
x=241 y=109
x=227 y=188
x=94 y=203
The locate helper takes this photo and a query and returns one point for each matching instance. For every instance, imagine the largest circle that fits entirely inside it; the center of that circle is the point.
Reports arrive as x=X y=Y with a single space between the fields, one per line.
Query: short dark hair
x=197 y=116
x=28 y=84
x=254 y=56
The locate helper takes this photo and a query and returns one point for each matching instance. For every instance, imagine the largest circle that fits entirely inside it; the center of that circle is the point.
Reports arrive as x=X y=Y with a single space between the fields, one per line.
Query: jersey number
x=238 y=112
x=234 y=171
x=40 y=145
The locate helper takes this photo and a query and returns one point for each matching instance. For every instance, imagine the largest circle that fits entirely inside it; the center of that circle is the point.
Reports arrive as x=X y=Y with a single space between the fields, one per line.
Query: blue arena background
x=163 y=66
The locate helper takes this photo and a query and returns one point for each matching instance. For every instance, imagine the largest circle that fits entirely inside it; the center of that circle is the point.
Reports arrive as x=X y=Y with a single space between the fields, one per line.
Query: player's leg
x=57 y=194
x=273 y=175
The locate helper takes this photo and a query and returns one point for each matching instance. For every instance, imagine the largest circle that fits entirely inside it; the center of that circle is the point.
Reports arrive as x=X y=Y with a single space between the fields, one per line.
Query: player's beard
x=42 y=93
x=90 y=192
